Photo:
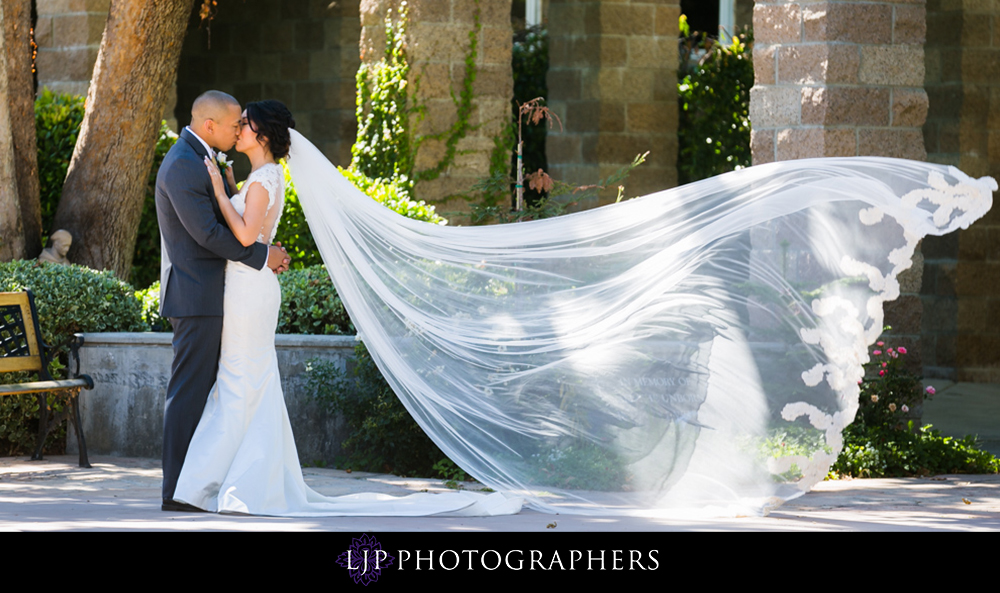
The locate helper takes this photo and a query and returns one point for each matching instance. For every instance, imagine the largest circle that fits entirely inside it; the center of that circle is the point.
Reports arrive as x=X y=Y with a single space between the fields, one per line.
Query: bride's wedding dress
x=242 y=457
x=698 y=350
x=695 y=350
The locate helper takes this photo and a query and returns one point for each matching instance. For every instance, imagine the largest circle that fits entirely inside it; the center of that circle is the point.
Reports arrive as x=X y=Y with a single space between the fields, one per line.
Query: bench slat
x=40 y=386
x=20 y=363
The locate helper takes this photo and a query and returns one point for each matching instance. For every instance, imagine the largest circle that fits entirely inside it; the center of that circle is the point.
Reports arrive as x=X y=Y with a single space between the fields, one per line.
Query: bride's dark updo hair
x=272 y=120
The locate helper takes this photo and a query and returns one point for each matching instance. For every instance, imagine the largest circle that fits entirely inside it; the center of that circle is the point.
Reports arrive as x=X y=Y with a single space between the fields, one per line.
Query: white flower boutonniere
x=220 y=158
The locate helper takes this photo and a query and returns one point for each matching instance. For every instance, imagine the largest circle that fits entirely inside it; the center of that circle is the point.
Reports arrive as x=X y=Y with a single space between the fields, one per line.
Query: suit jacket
x=195 y=239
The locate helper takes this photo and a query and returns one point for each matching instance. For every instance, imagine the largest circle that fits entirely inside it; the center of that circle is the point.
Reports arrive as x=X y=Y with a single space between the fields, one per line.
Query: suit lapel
x=199 y=150
x=197 y=146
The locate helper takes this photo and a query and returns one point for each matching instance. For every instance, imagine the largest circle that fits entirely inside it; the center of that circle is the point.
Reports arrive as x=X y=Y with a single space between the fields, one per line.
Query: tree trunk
x=11 y=228
x=102 y=199
x=21 y=101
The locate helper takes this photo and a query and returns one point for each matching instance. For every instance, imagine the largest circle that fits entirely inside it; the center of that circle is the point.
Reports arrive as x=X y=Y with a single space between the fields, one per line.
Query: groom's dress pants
x=197 y=342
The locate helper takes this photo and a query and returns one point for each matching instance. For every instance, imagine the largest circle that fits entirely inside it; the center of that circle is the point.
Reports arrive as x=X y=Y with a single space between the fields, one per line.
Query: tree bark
x=21 y=105
x=21 y=94
x=101 y=202
x=11 y=227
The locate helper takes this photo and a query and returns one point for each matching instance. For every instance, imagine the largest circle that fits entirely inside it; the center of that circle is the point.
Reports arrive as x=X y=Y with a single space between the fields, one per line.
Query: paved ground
x=122 y=494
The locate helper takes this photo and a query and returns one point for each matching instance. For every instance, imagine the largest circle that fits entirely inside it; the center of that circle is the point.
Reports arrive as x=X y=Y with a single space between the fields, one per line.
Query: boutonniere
x=220 y=158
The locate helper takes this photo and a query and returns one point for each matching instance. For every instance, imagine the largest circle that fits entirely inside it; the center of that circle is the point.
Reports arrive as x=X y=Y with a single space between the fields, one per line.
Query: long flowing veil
x=647 y=356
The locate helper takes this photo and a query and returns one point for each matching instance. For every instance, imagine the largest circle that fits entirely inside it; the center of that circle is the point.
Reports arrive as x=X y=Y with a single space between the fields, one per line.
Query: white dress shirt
x=208 y=149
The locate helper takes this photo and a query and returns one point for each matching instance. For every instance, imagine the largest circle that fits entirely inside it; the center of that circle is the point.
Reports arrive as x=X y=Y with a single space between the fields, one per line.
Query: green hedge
x=69 y=299
x=310 y=304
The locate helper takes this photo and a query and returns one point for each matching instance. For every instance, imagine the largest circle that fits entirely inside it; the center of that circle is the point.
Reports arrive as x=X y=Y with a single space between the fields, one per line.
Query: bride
x=242 y=457
x=698 y=350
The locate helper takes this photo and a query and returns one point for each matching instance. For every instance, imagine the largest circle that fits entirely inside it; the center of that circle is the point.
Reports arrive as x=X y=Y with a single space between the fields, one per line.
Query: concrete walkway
x=123 y=494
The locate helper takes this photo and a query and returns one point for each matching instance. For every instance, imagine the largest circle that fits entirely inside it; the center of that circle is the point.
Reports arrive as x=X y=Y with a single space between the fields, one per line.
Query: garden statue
x=61 y=242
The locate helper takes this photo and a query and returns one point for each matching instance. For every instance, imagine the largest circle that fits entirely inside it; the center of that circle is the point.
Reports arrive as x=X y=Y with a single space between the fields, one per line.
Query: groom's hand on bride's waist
x=277 y=258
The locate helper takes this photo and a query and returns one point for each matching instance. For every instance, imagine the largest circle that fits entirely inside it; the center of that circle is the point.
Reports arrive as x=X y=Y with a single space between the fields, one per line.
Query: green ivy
x=714 y=94
x=385 y=147
x=394 y=196
x=463 y=107
x=382 y=149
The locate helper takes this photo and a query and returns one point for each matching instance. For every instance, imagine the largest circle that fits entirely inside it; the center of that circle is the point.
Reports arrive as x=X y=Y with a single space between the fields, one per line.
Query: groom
x=197 y=244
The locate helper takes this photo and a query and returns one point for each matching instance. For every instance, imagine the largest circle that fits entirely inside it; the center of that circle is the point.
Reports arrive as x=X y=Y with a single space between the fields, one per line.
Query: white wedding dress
x=242 y=457
x=693 y=352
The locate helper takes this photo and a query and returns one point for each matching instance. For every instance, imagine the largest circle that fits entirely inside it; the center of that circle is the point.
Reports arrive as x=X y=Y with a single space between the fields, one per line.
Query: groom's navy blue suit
x=198 y=243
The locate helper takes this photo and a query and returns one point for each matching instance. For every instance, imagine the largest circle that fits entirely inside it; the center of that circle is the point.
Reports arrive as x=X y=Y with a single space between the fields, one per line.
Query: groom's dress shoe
x=182 y=507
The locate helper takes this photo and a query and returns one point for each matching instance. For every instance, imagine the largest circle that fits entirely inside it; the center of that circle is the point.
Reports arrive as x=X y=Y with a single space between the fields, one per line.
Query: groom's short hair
x=209 y=105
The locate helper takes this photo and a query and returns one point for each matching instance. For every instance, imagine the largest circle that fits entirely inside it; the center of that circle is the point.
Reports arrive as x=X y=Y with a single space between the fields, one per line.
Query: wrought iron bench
x=22 y=349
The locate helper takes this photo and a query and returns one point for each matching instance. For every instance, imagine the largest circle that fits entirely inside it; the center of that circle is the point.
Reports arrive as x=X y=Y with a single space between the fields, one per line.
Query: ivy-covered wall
x=459 y=53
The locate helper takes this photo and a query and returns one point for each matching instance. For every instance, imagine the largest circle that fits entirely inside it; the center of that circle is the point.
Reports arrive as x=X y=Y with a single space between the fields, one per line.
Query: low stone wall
x=123 y=414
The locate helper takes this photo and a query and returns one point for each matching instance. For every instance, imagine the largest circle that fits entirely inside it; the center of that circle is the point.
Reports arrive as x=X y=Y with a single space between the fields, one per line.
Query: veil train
x=640 y=357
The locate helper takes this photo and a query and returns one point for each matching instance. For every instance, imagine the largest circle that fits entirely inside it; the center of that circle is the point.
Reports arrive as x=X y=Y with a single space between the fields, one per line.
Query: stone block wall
x=68 y=34
x=302 y=52
x=438 y=43
x=838 y=78
x=613 y=82
x=961 y=290
x=844 y=78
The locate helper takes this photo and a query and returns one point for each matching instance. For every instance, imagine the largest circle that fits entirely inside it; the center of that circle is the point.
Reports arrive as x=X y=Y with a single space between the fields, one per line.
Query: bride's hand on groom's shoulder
x=277 y=258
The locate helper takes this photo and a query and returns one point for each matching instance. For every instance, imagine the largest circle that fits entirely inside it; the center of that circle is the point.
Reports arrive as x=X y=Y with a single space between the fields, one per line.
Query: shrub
x=69 y=299
x=293 y=230
x=714 y=93
x=310 y=304
x=882 y=442
x=146 y=259
x=149 y=300
x=57 y=124
x=384 y=437
x=394 y=194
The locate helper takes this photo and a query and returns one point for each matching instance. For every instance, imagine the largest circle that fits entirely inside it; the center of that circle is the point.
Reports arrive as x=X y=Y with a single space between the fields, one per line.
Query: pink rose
x=885 y=364
x=930 y=390
x=881 y=373
x=876 y=352
x=901 y=350
x=905 y=408
x=880 y=343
